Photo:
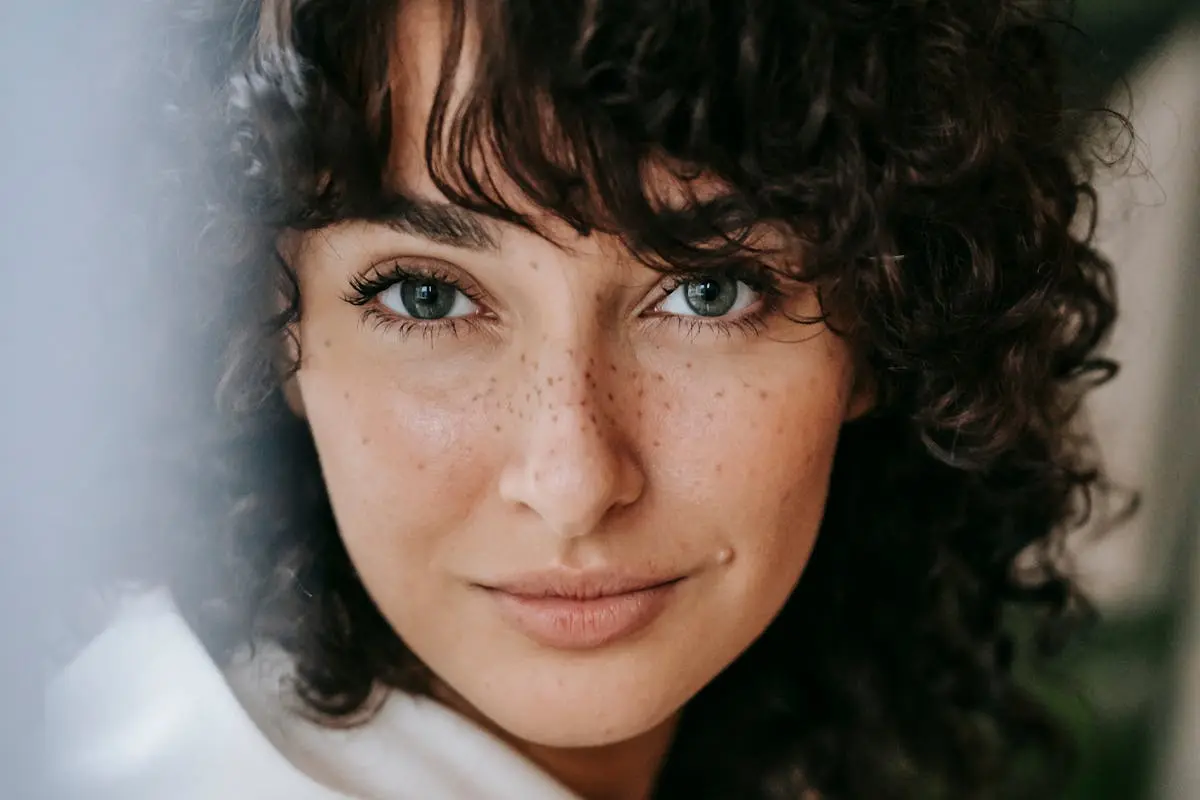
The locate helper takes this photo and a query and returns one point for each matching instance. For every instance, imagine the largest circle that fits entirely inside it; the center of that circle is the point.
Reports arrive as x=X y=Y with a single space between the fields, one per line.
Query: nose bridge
x=567 y=381
x=565 y=367
x=572 y=464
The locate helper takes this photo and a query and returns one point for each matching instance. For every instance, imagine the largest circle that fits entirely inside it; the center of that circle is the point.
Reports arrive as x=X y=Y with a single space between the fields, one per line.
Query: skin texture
x=579 y=416
x=574 y=431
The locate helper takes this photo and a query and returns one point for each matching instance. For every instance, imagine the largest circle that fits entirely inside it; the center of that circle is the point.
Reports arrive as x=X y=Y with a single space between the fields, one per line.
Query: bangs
x=581 y=113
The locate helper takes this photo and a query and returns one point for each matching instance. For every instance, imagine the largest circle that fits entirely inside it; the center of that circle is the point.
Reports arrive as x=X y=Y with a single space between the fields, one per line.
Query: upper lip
x=579 y=585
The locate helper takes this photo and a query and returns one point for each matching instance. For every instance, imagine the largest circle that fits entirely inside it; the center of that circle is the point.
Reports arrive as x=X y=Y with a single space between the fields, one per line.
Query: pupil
x=427 y=299
x=711 y=297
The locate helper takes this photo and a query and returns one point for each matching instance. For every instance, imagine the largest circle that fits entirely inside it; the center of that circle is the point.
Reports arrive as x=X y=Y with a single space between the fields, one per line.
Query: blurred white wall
x=78 y=320
x=1149 y=419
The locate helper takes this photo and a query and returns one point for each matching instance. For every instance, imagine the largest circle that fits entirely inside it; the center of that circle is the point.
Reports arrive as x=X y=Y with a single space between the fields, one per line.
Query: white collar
x=143 y=712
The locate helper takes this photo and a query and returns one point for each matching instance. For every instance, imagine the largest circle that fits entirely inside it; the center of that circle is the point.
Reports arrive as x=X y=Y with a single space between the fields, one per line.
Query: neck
x=626 y=770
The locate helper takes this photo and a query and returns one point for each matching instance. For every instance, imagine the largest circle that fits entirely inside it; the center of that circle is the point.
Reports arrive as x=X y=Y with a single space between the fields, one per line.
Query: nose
x=572 y=466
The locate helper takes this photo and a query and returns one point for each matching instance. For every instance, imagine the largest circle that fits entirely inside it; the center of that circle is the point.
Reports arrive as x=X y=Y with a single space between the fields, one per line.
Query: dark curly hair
x=923 y=151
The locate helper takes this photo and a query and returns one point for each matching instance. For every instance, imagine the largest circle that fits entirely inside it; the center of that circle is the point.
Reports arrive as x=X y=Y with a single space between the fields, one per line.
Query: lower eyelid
x=386 y=320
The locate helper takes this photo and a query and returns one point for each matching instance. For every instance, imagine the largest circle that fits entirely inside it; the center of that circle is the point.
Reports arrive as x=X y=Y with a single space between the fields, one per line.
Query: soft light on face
x=501 y=407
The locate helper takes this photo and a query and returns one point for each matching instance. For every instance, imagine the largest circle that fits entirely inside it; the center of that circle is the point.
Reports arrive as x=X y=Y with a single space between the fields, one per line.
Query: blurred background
x=74 y=279
x=1131 y=688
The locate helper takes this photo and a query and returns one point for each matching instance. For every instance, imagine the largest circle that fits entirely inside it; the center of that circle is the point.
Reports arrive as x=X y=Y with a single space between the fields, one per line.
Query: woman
x=677 y=397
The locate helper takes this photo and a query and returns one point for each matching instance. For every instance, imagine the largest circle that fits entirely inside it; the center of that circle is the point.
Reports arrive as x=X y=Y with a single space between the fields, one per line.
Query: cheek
x=746 y=435
x=400 y=469
x=755 y=452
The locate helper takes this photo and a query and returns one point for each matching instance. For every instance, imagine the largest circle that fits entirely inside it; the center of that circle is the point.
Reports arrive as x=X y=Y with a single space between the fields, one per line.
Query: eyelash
x=748 y=324
x=364 y=289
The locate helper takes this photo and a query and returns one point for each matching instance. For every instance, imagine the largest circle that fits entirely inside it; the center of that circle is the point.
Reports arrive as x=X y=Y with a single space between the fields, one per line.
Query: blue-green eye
x=426 y=299
x=709 y=297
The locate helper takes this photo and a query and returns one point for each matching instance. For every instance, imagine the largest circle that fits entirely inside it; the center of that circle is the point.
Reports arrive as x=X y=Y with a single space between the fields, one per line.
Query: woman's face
x=577 y=490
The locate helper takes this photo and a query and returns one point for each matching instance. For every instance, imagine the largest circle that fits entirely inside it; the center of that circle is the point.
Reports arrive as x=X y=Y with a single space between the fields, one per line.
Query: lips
x=572 y=611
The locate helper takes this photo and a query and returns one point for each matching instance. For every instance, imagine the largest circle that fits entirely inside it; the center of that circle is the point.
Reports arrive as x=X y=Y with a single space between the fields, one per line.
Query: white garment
x=143 y=713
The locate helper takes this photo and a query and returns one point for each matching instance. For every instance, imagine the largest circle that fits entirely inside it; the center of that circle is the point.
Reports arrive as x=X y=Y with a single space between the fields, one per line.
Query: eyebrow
x=441 y=223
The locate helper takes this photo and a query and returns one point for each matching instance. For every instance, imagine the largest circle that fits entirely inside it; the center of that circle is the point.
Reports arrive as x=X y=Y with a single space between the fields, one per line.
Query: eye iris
x=427 y=299
x=711 y=297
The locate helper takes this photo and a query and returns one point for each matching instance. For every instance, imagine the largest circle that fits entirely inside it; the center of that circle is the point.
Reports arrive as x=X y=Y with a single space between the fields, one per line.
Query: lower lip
x=566 y=624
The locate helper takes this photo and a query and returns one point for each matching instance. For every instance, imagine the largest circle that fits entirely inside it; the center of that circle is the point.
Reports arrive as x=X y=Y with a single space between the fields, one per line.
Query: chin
x=578 y=728
x=559 y=712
